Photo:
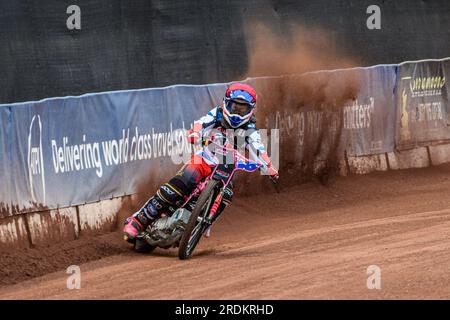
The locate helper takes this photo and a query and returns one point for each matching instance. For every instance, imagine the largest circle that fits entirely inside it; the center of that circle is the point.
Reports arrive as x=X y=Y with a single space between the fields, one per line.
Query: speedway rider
x=237 y=112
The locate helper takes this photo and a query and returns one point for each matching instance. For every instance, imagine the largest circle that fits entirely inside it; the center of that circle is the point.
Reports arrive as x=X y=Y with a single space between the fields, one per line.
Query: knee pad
x=166 y=200
x=187 y=179
x=169 y=197
x=184 y=186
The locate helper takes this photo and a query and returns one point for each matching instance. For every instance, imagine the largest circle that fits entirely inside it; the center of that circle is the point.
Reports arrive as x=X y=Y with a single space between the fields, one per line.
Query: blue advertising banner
x=67 y=151
x=369 y=119
x=5 y=176
x=75 y=150
x=323 y=113
x=423 y=103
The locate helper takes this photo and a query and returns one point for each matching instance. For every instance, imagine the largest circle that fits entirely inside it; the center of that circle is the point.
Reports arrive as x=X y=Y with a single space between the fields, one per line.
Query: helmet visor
x=238 y=107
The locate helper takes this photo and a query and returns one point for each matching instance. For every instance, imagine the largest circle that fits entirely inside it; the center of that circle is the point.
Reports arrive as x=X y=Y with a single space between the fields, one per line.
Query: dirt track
x=310 y=241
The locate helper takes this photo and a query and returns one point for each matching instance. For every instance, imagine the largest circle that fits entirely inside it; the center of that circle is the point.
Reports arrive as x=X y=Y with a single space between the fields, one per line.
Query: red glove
x=192 y=136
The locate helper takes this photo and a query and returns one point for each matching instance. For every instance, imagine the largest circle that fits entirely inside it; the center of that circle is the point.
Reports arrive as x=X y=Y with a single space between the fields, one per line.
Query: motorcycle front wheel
x=196 y=225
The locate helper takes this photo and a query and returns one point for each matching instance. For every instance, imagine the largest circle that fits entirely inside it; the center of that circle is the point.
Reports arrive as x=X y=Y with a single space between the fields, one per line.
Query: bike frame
x=240 y=163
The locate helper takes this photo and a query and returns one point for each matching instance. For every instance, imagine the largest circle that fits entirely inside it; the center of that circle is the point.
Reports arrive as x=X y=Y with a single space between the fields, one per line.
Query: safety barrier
x=66 y=164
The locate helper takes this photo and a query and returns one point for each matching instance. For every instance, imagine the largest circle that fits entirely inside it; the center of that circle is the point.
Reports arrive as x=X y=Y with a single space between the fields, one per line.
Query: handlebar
x=235 y=152
x=236 y=155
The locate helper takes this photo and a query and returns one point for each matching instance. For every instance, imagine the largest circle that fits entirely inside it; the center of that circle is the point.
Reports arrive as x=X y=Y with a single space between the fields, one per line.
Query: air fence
x=66 y=163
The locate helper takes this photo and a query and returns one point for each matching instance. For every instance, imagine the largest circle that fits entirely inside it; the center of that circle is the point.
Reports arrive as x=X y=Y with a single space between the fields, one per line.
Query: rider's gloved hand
x=193 y=136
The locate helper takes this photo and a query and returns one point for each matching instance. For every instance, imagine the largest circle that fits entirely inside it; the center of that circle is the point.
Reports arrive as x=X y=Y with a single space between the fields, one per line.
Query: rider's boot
x=226 y=201
x=166 y=200
x=139 y=221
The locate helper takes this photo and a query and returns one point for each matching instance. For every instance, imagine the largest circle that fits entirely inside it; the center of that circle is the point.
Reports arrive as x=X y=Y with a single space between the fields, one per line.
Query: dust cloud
x=305 y=105
x=299 y=51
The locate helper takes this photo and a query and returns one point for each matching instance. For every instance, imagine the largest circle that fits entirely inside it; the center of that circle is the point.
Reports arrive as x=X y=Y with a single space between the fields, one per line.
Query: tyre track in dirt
x=308 y=242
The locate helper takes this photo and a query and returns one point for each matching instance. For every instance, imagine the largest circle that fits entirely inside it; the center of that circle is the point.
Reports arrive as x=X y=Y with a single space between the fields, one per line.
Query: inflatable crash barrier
x=66 y=164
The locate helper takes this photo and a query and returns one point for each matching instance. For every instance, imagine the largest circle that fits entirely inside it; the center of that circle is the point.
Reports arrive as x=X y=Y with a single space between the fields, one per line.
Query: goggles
x=238 y=107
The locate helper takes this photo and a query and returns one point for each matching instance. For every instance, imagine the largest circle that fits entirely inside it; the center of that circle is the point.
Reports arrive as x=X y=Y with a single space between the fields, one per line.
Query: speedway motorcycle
x=186 y=226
